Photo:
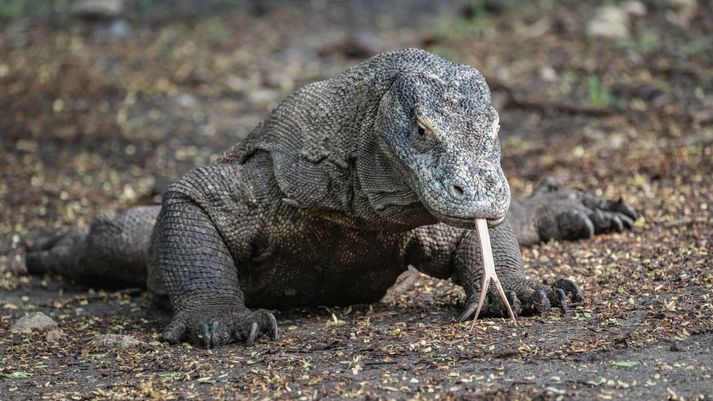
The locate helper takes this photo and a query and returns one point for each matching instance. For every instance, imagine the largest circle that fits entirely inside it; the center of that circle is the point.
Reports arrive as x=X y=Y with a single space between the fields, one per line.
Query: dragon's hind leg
x=112 y=253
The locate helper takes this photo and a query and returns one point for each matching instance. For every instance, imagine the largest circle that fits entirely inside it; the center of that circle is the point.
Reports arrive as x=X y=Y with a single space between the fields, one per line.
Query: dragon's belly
x=314 y=263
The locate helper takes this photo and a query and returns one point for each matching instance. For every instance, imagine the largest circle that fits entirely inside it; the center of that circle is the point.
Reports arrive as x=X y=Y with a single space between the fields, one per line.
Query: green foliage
x=646 y=40
x=477 y=25
x=15 y=375
x=214 y=29
x=624 y=364
x=16 y=9
x=598 y=95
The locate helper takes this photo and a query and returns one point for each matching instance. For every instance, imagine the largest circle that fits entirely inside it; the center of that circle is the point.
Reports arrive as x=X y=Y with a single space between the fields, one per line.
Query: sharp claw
x=214 y=333
x=624 y=208
x=577 y=295
x=273 y=327
x=253 y=334
x=561 y=300
x=570 y=287
x=588 y=229
x=206 y=335
x=542 y=304
x=618 y=224
x=515 y=303
x=628 y=222
x=469 y=310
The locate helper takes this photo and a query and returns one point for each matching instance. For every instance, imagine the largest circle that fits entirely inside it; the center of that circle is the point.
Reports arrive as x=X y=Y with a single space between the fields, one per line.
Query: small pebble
x=33 y=321
x=117 y=341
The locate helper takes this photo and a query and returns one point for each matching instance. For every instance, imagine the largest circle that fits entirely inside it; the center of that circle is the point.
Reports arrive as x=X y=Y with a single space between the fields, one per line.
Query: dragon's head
x=441 y=132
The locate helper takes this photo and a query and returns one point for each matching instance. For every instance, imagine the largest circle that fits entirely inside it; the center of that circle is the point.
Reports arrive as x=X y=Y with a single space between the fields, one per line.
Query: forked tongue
x=481 y=226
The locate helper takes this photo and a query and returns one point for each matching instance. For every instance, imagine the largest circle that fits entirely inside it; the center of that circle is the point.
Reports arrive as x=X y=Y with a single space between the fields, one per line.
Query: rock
x=55 y=335
x=681 y=4
x=682 y=12
x=609 y=22
x=238 y=84
x=119 y=29
x=634 y=7
x=548 y=74
x=33 y=321
x=117 y=341
x=97 y=8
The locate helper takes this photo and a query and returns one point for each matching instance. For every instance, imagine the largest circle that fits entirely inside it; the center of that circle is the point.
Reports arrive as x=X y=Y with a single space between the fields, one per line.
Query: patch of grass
x=11 y=10
x=15 y=375
x=214 y=29
x=645 y=40
x=477 y=24
x=599 y=96
x=624 y=364
x=699 y=45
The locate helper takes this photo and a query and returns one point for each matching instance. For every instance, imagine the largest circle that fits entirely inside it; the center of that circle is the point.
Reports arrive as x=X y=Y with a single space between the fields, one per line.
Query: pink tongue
x=481 y=226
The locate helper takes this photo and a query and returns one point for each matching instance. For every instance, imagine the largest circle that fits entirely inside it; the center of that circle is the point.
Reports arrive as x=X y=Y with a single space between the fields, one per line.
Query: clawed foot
x=51 y=251
x=563 y=213
x=526 y=298
x=211 y=326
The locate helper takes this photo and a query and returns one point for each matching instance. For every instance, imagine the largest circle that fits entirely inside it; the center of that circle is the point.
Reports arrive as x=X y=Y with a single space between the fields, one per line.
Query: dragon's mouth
x=465 y=222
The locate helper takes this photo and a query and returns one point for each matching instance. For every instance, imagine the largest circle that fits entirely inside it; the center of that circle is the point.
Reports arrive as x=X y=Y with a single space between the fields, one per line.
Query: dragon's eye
x=420 y=129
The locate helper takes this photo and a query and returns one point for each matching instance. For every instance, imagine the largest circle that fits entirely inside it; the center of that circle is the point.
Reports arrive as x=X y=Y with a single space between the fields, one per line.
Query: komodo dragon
x=343 y=186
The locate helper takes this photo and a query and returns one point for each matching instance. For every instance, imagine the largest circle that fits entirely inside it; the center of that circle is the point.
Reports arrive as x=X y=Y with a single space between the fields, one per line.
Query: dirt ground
x=100 y=115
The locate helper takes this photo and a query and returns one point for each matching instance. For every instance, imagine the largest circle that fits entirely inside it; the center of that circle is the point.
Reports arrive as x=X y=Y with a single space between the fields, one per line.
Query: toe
x=467 y=312
x=219 y=334
x=617 y=224
x=204 y=338
x=605 y=222
x=624 y=208
x=561 y=300
x=267 y=324
x=627 y=221
x=174 y=332
x=272 y=330
x=515 y=303
x=252 y=335
x=571 y=288
x=542 y=303
x=574 y=224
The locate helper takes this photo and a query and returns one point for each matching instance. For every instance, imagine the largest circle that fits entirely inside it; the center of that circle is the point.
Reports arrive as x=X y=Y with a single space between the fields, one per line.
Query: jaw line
x=464 y=222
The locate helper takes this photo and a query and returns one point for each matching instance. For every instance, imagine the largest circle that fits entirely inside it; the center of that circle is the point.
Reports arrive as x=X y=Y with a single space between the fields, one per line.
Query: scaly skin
x=344 y=185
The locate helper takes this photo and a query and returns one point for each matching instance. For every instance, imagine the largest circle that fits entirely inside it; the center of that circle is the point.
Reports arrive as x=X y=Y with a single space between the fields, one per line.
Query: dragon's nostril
x=457 y=191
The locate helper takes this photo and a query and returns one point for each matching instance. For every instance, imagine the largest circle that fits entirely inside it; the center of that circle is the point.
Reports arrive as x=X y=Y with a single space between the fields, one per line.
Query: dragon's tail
x=114 y=252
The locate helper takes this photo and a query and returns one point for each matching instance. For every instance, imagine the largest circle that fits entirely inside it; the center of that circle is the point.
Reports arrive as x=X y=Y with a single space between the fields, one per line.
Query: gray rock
x=33 y=321
x=117 y=341
x=97 y=8
x=119 y=29
x=634 y=7
x=679 y=4
x=55 y=335
x=609 y=22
